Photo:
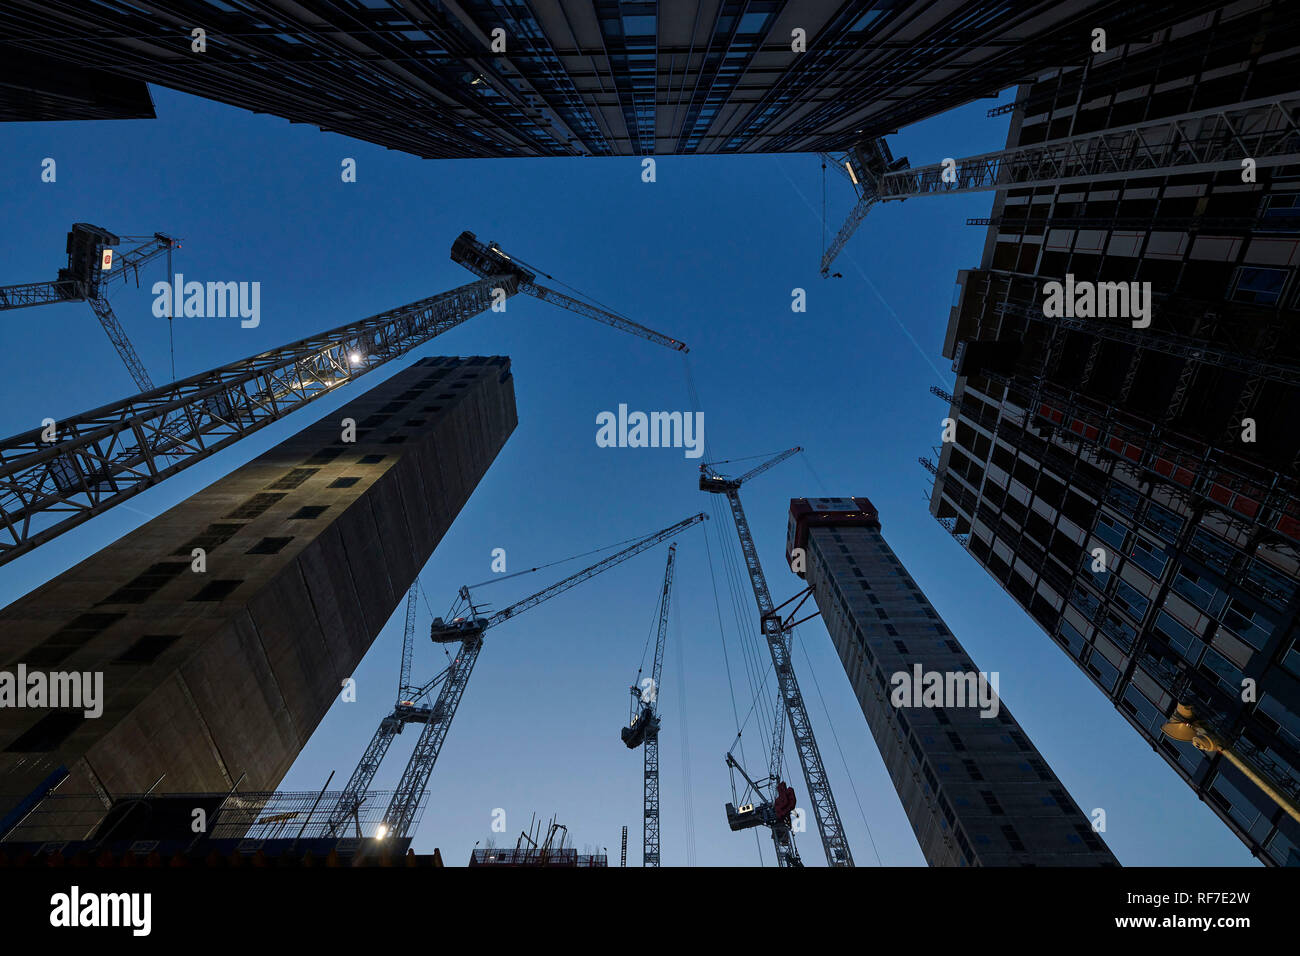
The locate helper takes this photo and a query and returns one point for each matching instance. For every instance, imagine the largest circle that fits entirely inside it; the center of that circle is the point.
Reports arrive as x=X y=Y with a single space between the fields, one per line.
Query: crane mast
x=1198 y=141
x=643 y=728
x=408 y=642
x=436 y=718
x=774 y=632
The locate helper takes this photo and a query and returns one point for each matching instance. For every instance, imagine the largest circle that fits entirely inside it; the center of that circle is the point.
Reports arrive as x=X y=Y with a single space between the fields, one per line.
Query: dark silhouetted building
x=1134 y=487
x=602 y=78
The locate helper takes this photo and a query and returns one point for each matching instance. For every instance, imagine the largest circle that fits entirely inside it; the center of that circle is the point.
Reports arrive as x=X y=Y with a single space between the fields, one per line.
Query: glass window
x=1200 y=591
x=1103 y=670
x=1258 y=286
x=1072 y=637
x=1084 y=601
x=865 y=20
x=1212 y=550
x=1149 y=557
x=1178 y=636
x=1284 y=206
x=1143 y=709
x=1269 y=579
x=1287 y=721
x=1238 y=805
x=639 y=26
x=1121 y=632
x=1128 y=599
x=1111 y=530
x=1217 y=664
x=1123 y=499
x=1292 y=659
x=1283 y=849
x=1251 y=628
x=1163 y=522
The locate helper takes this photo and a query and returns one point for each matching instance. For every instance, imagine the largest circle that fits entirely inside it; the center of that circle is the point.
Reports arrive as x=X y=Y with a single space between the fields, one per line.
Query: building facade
x=532 y=78
x=975 y=789
x=1131 y=480
x=224 y=628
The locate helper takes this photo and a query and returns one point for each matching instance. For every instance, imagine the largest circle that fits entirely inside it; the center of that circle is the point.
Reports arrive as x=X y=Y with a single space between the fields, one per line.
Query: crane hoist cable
x=756 y=674
x=693 y=397
x=813 y=471
x=645 y=651
x=836 y=738
x=758 y=663
x=688 y=790
x=747 y=650
x=577 y=294
x=542 y=567
x=824 y=204
x=726 y=658
x=725 y=461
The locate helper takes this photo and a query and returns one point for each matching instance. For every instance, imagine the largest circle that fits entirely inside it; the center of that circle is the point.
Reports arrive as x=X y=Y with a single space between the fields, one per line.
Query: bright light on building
x=381 y=832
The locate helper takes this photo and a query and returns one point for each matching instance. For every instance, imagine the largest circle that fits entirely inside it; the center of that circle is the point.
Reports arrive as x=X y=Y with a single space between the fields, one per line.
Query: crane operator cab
x=870 y=160
x=775 y=815
x=749 y=815
x=443 y=632
x=643 y=723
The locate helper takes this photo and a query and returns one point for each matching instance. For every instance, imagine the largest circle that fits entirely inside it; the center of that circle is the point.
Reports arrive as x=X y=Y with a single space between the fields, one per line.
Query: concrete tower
x=975 y=789
x=306 y=551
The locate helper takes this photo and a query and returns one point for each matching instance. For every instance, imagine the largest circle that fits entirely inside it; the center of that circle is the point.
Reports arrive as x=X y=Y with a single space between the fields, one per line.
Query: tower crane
x=110 y=454
x=451 y=682
x=88 y=273
x=776 y=633
x=1263 y=130
x=642 y=729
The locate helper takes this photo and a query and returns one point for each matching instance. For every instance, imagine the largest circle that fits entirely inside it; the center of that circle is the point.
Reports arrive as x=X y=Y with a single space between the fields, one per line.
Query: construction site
x=206 y=588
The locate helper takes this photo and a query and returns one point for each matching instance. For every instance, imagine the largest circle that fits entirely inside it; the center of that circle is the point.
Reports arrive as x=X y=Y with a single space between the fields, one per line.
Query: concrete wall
x=975 y=789
x=214 y=687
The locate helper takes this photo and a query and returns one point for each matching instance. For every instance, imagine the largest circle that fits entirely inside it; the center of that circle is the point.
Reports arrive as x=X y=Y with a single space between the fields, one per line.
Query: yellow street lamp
x=1186 y=727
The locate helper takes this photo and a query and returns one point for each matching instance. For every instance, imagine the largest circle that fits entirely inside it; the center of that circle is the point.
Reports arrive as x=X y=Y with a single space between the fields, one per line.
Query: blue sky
x=709 y=254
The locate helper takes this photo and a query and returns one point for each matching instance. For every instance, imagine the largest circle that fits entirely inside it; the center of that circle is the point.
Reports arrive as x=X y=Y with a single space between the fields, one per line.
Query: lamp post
x=1185 y=726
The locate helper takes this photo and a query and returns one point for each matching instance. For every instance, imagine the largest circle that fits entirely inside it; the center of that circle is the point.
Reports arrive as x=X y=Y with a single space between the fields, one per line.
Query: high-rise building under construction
x=1130 y=478
x=528 y=78
x=975 y=789
x=224 y=628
